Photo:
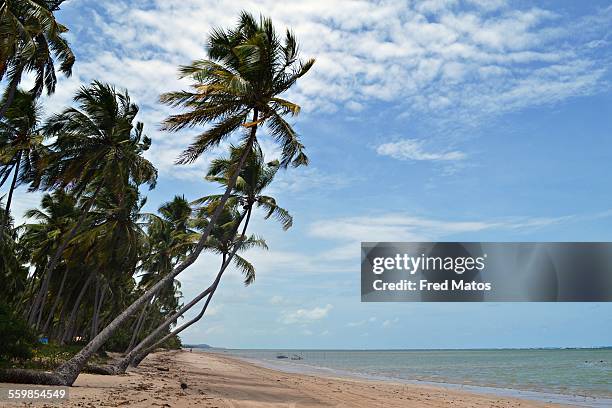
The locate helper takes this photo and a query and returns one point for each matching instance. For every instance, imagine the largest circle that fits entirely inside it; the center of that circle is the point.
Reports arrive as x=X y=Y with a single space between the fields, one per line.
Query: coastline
x=581 y=400
x=214 y=380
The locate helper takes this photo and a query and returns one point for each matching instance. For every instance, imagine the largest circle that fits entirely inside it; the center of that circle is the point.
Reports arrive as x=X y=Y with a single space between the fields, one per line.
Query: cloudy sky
x=435 y=120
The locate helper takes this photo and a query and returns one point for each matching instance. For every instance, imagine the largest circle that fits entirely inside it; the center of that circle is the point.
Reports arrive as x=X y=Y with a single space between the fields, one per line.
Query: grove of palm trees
x=89 y=271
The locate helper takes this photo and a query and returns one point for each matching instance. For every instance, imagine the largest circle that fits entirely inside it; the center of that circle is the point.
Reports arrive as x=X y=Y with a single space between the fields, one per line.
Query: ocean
x=578 y=376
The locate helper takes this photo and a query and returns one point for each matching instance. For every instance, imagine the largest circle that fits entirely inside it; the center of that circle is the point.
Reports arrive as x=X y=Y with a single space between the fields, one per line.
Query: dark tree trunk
x=73 y=315
x=92 y=328
x=58 y=297
x=9 y=200
x=139 y=324
x=20 y=376
x=99 y=309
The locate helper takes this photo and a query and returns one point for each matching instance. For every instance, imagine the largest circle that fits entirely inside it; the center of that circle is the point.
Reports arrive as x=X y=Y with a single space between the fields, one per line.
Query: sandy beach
x=211 y=380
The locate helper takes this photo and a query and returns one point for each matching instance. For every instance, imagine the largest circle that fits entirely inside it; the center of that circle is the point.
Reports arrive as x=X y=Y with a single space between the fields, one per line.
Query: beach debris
x=163 y=368
x=183 y=385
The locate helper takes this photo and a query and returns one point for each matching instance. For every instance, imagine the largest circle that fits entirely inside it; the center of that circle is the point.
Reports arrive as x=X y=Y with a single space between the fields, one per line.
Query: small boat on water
x=281 y=356
x=296 y=357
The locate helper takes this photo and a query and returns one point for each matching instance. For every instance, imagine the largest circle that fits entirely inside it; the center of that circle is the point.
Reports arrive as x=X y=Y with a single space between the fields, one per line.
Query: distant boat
x=281 y=356
x=296 y=357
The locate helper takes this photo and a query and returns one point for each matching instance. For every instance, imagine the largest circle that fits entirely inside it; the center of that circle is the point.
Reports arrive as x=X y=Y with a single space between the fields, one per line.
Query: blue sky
x=458 y=120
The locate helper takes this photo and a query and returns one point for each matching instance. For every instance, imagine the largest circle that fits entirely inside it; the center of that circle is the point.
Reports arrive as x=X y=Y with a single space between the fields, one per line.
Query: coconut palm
x=255 y=176
x=43 y=233
x=118 y=237
x=223 y=240
x=31 y=40
x=169 y=239
x=96 y=145
x=20 y=143
x=237 y=87
x=12 y=271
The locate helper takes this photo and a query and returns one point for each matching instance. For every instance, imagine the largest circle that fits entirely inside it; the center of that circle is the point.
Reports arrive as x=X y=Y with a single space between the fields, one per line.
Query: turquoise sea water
x=583 y=374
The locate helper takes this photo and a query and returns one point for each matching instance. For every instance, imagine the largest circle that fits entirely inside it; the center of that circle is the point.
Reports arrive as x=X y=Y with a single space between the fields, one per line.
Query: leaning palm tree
x=20 y=143
x=169 y=239
x=97 y=145
x=223 y=240
x=237 y=87
x=31 y=40
x=255 y=176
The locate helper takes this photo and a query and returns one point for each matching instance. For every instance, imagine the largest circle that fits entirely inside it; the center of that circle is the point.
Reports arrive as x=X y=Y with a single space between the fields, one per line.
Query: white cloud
x=394 y=227
x=453 y=62
x=277 y=300
x=390 y=322
x=361 y=322
x=308 y=179
x=213 y=310
x=305 y=315
x=413 y=149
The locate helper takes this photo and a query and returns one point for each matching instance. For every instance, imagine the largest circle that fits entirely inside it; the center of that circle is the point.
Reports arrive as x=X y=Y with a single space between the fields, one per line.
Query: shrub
x=18 y=340
x=119 y=341
x=173 y=343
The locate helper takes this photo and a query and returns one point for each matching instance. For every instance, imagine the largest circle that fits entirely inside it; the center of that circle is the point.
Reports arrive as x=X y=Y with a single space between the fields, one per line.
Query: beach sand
x=214 y=380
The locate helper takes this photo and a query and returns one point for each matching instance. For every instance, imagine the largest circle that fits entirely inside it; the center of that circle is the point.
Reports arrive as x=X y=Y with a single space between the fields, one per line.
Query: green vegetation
x=89 y=272
x=18 y=340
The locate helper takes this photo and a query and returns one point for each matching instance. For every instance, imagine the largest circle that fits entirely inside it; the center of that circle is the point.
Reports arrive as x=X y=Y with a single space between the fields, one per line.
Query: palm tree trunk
x=92 y=328
x=139 y=357
x=75 y=309
x=127 y=359
x=57 y=330
x=42 y=294
x=7 y=210
x=12 y=89
x=69 y=371
x=139 y=325
x=125 y=362
x=58 y=297
x=99 y=309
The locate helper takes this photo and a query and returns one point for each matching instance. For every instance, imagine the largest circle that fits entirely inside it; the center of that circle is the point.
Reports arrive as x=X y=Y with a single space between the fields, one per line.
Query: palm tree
x=254 y=177
x=237 y=87
x=97 y=145
x=31 y=40
x=223 y=240
x=12 y=271
x=227 y=248
x=118 y=237
x=20 y=143
x=44 y=232
x=169 y=240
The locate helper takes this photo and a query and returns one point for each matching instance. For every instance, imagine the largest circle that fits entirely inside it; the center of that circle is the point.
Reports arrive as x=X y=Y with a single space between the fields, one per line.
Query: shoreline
x=213 y=380
x=497 y=391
